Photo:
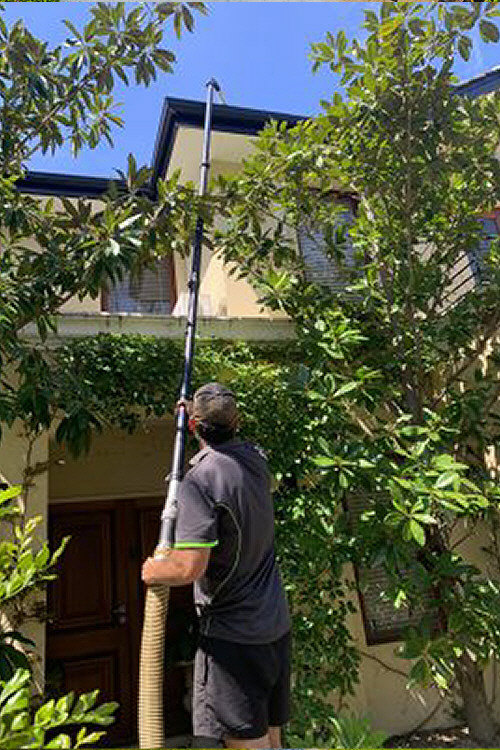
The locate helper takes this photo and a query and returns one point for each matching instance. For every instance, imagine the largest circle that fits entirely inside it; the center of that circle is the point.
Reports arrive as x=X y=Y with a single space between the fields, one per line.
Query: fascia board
x=70 y=186
x=480 y=85
x=80 y=325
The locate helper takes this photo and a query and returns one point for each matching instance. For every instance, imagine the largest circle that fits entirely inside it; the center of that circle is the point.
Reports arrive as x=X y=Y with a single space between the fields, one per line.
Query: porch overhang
x=80 y=325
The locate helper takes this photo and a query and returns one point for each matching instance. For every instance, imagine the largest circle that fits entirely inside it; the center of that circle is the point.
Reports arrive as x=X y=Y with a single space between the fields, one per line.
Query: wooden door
x=96 y=606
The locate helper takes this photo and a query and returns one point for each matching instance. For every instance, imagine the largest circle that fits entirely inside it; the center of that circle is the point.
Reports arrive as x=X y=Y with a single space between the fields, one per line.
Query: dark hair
x=214 y=434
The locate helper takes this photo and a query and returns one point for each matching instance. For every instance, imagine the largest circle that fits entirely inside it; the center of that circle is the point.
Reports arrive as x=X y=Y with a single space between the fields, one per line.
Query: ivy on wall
x=120 y=380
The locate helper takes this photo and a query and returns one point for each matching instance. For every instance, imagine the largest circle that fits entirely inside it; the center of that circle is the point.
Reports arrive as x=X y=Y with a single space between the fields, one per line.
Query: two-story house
x=109 y=501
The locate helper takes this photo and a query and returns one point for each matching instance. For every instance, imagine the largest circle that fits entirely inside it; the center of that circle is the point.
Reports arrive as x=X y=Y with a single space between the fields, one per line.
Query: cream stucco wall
x=221 y=294
x=117 y=466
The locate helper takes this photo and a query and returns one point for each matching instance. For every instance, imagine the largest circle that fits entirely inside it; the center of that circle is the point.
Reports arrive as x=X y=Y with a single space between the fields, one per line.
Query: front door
x=96 y=605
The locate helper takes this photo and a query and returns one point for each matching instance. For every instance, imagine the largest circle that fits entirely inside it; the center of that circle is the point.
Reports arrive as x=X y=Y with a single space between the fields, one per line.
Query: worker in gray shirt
x=225 y=545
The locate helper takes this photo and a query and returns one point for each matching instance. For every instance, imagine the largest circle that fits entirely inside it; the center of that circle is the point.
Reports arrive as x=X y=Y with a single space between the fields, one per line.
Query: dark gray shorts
x=240 y=690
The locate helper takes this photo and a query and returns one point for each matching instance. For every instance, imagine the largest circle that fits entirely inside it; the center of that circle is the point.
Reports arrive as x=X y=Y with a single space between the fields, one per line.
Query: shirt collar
x=207 y=449
x=199 y=456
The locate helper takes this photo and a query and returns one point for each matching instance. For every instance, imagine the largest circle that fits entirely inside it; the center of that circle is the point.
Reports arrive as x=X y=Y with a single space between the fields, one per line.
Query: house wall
x=221 y=294
x=117 y=466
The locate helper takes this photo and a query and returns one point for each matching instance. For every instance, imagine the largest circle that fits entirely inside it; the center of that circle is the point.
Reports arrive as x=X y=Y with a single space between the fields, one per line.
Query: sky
x=257 y=51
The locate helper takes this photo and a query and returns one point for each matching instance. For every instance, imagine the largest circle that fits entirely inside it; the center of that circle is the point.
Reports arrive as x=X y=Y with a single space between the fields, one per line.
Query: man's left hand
x=152 y=571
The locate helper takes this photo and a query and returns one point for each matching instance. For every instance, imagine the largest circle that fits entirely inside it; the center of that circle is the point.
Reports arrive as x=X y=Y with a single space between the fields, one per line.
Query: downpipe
x=151 y=663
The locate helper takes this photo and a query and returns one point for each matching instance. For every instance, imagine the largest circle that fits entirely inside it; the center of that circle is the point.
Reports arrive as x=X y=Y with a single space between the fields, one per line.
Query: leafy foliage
x=23 y=568
x=401 y=385
x=53 y=251
x=346 y=731
x=51 y=96
x=121 y=381
x=20 y=727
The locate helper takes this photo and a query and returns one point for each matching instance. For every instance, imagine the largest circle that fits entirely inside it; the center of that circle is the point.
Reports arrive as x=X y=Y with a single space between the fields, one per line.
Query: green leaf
x=45 y=713
x=465 y=47
x=61 y=742
x=417 y=531
x=346 y=388
x=188 y=18
x=413 y=647
x=420 y=673
x=489 y=31
x=324 y=461
x=10 y=493
x=177 y=25
x=449 y=477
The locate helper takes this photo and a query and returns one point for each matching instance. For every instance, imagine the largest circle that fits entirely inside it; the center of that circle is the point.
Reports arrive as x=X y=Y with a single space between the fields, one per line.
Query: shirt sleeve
x=196 y=519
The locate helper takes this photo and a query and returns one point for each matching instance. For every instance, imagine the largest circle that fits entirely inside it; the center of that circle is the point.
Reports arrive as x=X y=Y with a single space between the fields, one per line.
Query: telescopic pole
x=169 y=515
x=151 y=667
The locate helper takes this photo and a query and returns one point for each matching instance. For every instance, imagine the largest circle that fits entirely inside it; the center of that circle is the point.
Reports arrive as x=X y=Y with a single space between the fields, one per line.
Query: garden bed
x=437 y=738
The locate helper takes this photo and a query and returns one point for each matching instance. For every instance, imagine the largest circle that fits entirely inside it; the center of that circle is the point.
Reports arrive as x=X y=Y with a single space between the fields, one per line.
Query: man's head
x=215 y=413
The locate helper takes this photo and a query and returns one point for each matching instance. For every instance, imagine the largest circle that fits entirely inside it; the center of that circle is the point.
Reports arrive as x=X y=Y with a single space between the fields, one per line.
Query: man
x=225 y=545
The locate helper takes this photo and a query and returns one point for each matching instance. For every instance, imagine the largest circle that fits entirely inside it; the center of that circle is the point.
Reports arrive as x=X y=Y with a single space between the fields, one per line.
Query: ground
x=438 y=738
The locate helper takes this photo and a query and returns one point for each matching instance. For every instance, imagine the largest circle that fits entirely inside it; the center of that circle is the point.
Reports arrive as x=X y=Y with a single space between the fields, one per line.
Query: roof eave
x=480 y=85
x=191 y=113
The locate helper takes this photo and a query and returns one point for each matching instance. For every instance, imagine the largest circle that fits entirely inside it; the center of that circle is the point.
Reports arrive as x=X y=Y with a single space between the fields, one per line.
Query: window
x=151 y=291
x=383 y=623
x=488 y=233
x=469 y=268
x=320 y=268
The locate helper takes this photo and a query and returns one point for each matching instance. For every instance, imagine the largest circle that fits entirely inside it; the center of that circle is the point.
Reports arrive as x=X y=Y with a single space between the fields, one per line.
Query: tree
x=402 y=364
x=50 y=97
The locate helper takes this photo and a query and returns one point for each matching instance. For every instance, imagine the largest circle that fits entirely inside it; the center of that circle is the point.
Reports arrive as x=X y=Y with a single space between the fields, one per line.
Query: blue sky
x=256 y=50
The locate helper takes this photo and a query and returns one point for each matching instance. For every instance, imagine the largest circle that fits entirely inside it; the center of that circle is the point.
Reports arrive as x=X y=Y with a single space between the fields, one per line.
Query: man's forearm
x=179 y=568
x=169 y=571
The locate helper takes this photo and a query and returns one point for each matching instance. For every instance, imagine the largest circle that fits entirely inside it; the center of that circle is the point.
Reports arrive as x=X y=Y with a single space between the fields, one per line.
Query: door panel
x=83 y=675
x=86 y=638
x=83 y=597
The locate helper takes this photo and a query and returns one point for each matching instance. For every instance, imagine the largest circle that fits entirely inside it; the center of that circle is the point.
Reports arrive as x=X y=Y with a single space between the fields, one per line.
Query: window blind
x=320 y=268
x=470 y=267
x=149 y=291
x=383 y=623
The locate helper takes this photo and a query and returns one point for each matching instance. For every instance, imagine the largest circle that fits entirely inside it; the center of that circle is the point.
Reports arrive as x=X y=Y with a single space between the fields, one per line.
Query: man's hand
x=186 y=403
x=180 y=568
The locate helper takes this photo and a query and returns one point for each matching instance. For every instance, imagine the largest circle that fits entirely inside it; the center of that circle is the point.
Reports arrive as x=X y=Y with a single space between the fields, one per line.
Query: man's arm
x=179 y=568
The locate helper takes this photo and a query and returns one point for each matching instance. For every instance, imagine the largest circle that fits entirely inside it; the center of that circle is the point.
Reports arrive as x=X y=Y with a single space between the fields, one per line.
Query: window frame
x=171 y=277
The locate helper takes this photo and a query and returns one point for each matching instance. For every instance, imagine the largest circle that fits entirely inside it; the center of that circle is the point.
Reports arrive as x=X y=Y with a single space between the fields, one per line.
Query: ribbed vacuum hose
x=151 y=667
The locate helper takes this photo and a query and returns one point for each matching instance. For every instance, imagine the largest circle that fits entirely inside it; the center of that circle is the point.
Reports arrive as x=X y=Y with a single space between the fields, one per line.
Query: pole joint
x=213 y=82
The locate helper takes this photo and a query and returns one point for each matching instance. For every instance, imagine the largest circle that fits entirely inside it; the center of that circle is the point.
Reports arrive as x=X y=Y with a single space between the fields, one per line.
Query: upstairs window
x=469 y=268
x=321 y=268
x=150 y=291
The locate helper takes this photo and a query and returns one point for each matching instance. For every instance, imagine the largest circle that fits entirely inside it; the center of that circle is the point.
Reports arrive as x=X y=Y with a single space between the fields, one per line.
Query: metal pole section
x=169 y=514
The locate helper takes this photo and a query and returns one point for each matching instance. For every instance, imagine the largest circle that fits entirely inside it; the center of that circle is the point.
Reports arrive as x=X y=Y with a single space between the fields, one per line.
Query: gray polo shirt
x=225 y=504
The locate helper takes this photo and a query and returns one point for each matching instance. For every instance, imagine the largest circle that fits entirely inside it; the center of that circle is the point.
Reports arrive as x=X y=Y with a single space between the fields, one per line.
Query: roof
x=188 y=112
x=481 y=84
x=175 y=113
